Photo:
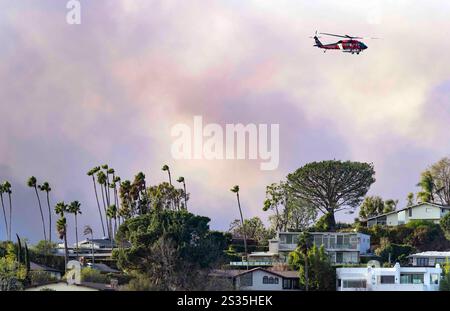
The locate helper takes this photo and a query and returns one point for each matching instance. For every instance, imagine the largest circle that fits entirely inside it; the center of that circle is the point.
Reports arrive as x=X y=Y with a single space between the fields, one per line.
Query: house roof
x=257 y=254
x=431 y=254
x=63 y=286
x=408 y=207
x=283 y=274
x=101 y=242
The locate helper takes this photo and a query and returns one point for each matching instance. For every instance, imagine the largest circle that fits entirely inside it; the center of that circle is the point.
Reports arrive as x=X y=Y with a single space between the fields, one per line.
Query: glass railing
x=251 y=263
x=340 y=246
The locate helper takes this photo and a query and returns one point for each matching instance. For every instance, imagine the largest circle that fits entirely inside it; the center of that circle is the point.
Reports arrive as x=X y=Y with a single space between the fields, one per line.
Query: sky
x=110 y=89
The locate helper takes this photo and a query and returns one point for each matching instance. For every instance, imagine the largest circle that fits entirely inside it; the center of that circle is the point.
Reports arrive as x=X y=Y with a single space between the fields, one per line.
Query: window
x=354 y=283
x=411 y=278
x=410 y=212
x=266 y=280
x=287 y=284
x=271 y=280
x=440 y=260
x=276 y=281
x=387 y=279
x=339 y=257
x=422 y=262
x=246 y=279
x=434 y=279
x=325 y=241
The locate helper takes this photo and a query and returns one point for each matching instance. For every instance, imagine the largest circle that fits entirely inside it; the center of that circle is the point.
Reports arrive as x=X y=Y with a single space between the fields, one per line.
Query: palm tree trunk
x=49 y=218
x=243 y=229
x=104 y=209
x=111 y=228
x=98 y=205
x=92 y=247
x=10 y=215
x=170 y=177
x=76 y=233
x=42 y=214
x=4 y=216
x=185 y=196
x=66 y=249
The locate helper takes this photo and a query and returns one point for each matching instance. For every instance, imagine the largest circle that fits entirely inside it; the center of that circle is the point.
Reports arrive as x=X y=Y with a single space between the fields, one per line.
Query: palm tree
x=92 y=173
x=167 y=169
x=46 y=187
x=107 y=194
x=6 y=187
x=74 y=208
x=61 y=227
x=101 y=180
x=2 y=191
x=181 y=180
x=88 y=231
x=112 y=214
x=235 y=189
x=32 y=184
x=115 y=182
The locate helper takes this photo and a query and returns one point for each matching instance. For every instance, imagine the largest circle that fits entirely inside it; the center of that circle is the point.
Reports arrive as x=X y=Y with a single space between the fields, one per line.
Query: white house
x=388 y=279
x=342 y=247
x=263 y=279
x=422 y=211
x=429 y=259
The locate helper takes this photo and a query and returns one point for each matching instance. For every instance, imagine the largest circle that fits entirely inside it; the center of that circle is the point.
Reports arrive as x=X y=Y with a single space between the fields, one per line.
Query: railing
x=251 y=263
x=342 y=246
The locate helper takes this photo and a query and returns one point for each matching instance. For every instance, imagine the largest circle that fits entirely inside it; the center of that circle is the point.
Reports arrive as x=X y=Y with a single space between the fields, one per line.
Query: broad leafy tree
x=170 y=249
x=254 y=229
x=375 y=205
x=289 y=212
x=440 y=173
x=332 y=186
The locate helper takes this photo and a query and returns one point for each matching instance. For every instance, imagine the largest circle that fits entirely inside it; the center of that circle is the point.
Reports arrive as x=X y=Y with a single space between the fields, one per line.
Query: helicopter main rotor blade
x=340 y=36
x=330 y=34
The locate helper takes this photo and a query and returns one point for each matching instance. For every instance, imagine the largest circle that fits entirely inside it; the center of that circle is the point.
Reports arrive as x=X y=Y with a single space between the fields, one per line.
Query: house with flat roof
x=422 y=211
x=429 y=259
x=341 y=247
x=375 y=278
x=102 y=249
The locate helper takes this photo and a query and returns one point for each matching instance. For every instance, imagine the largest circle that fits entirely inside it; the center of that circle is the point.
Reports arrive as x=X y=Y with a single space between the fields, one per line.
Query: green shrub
x=399 y=252
x=94 y=276
x=139 y=283
x=41 y=277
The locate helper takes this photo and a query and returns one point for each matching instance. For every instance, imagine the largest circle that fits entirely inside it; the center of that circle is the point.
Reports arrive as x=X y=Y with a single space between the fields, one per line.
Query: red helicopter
x=350 y=45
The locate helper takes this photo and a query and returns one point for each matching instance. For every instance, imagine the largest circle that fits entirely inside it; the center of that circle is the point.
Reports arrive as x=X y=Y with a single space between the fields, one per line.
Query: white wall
x=372 y=277
x=392 y=219
x=425 y=212
x=257 y=277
